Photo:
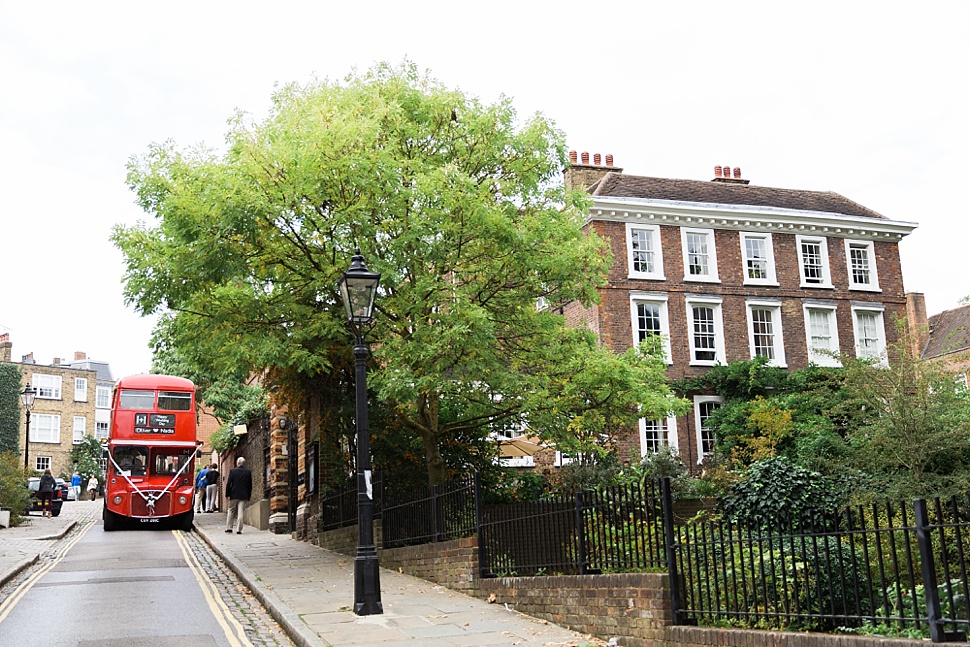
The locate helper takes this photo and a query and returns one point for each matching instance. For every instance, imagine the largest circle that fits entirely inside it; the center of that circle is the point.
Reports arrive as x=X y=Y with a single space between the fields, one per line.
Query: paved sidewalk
x=310 y=592
x=22 y=546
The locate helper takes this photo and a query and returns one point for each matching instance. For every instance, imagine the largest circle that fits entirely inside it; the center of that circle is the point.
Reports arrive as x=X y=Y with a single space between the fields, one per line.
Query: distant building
x=72 y=401
x=947 y=339
x=725 y=270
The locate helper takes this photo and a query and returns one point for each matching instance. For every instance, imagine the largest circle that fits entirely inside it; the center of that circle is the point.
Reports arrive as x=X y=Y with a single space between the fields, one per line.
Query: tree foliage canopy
x=456 y=203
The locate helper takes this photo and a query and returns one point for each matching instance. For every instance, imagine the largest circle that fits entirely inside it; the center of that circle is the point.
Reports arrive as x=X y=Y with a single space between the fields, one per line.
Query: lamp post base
x=367 y=582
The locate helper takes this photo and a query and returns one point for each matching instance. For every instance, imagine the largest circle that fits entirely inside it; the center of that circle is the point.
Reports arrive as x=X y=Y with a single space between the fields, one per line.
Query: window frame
x=777 y=332
x=771 y=278
x=653 y=298
x=832 y=310
x=712 y=275
x=98 y=427
x=38 y=424
x=824 y=256
x=657 y=274
x=102 y=399
x=42 y=463
x=698 y=424
x=48 y=387
x=878 y=310
x=873 y=285
x=83 y=428
x=81 y=389
x=720 y=355
x=670 y=436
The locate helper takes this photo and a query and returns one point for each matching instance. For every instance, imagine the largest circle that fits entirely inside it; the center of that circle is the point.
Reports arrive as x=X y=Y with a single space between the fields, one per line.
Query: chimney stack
x=6 y=348
x=57 y=361
x=583 y=175
x=78 y=356
x=723 y=174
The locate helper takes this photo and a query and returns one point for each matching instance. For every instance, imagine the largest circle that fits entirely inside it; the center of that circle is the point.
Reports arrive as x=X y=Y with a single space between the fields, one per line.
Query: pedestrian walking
x=45 y=491
x=239 y=488
x=93 y=485
x=211 y=488
x=200 y=489
x=76 y=486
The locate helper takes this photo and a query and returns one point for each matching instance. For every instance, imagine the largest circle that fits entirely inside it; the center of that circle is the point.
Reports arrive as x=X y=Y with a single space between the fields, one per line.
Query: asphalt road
x=156 y=588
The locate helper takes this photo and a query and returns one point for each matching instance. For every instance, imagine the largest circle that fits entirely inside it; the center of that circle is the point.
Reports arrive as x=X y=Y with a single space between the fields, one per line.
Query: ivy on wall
x=9 y=408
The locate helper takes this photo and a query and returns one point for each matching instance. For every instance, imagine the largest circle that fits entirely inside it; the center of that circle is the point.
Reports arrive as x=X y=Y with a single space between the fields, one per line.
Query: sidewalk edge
x=17 y=568
x=292 y=624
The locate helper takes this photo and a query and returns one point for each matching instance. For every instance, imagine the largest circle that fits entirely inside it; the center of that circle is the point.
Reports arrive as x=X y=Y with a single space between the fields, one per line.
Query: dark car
x=56 y=503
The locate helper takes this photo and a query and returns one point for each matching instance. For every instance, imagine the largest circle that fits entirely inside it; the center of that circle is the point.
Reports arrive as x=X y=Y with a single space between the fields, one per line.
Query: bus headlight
x=117 y=499
x=183 y=500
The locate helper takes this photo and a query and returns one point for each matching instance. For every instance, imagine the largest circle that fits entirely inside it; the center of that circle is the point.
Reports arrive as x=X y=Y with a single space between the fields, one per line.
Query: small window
x=135 y=399
x=821 y=334
x=42 y=463
x=705 y=331
x=870 y=332
x=704 y=406
x=644 y=252
x=103 y=397
x=101 y=430
x=80 y=427
x=813 y=262
x=169 y=462
x=649 y=313
x=45 y=428
x=174 y=401
x=80 y=389
x=765 y=331
x=861 y=262
x=759 y=259
x=655 y=434
x=700 y=255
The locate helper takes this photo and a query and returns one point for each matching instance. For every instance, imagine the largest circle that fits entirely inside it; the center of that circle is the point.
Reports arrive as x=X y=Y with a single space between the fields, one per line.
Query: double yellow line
x=235 y=634
x=27 y=584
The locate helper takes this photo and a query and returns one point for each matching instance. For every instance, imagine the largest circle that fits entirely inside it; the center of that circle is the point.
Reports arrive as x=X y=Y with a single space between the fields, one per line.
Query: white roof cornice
x=747 y=218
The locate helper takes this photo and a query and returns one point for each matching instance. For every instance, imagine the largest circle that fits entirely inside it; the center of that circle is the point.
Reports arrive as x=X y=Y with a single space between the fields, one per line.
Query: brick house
x=728 y=271
x=65 y=407
x=946 y=338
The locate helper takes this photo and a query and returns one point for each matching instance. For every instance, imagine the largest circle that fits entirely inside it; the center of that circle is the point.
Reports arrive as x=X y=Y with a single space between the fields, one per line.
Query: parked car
x=33 y=483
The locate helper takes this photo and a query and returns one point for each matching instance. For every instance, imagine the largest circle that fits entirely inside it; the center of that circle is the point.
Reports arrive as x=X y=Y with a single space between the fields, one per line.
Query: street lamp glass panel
x=27 y=396
x=358 y=288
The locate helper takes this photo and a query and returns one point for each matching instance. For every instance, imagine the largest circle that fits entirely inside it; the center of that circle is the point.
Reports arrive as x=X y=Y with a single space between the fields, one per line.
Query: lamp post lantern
x=358 y=288
x=27 y=399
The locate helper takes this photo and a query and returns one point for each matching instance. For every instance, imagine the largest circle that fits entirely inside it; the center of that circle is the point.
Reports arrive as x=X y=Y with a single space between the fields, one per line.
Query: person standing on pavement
x=211 y=488
x=239 y=488
x=76 y=486
x=45 y=491
x=200 y=489
x=93 y=485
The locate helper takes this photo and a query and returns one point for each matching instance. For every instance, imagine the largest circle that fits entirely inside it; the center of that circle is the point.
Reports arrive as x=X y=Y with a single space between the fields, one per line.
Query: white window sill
x=865 y=288
x=822 y=286
x=702 y=279
x=773 y=284
x=647 y=277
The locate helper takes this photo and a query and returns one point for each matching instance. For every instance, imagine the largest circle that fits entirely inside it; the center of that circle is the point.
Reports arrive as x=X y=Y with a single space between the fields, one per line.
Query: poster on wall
x=311 y=468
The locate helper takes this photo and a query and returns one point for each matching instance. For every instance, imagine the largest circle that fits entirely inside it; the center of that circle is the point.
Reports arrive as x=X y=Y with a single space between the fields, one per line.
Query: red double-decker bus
x=151 y=453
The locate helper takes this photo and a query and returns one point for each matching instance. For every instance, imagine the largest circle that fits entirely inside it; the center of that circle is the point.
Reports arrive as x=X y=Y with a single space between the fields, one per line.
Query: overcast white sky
x=867 y=99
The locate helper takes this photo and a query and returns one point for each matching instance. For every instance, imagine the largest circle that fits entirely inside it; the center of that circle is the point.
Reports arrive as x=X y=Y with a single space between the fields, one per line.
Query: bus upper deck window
x=132 y=399
x=174 y=401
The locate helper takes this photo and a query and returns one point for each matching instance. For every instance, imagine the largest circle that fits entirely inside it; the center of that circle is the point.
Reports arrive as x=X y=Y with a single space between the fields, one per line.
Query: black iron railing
x=435 y=513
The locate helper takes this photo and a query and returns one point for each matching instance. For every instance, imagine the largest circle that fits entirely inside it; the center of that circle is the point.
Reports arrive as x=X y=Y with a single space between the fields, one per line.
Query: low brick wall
x=709 y=636
x=450 y=563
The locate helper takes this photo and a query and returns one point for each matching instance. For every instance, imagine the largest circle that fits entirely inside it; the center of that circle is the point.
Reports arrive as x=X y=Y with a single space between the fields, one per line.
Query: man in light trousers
x=239 y=488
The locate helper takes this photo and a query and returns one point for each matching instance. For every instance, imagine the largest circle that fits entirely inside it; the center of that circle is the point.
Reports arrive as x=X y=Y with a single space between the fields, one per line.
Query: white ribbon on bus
x=150 y=497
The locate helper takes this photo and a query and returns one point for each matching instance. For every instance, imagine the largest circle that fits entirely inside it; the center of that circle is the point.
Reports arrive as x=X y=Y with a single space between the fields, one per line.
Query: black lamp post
x=27 y=398
x=358 y=287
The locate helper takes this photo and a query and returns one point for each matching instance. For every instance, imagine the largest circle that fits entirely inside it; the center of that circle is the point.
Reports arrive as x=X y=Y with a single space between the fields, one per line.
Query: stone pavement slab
x=310 y=591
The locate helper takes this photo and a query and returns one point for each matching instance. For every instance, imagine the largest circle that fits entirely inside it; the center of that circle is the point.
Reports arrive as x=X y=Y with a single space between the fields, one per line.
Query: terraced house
x=727 y=270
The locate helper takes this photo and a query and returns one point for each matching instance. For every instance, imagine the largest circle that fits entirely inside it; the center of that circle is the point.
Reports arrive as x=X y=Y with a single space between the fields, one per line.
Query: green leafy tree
x=461 y=208
x=86 y=457
x=916 y=439
x=10 y=408
x=13 y=486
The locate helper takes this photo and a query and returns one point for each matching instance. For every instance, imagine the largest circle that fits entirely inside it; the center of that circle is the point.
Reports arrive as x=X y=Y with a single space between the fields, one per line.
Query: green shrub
x=13 y=491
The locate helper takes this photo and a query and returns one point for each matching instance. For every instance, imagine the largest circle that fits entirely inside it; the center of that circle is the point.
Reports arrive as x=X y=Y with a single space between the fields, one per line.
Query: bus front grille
x=140 y=507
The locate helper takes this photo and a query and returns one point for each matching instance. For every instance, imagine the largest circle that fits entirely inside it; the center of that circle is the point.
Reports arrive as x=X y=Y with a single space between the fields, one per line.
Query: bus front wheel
x=111 y=520
x=185 y=522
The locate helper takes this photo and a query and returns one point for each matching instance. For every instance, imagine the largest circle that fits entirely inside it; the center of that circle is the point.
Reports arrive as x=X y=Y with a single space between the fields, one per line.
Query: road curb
x=17 y=568
x=291 y=623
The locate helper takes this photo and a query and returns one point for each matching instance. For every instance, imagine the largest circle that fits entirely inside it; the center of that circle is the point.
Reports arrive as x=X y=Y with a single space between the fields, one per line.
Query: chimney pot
x=717 y=171
x=573 y=158
x=737 y=172
x=584 y=157
x=609 y=159
x=597 y=160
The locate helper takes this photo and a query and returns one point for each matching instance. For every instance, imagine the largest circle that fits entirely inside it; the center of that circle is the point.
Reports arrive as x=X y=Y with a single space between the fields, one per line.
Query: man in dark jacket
x=239 y=487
